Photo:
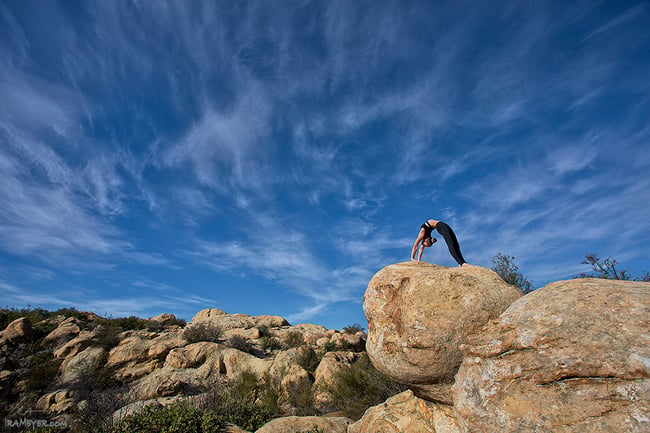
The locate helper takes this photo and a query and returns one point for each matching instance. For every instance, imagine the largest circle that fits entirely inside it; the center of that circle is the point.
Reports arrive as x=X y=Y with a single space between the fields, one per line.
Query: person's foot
x=464 y=265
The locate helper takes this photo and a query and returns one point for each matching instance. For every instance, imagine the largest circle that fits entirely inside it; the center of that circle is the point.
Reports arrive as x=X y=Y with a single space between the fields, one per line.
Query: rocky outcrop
x=406 y=413
x=329 y=366
x=225 y=321
x=573 y=356
x=64 y=332
x=293 y=424
x=56 y=402
x=83 y=364
x=18 y=331
x=141 y=352
x=83 y=340
x=164 y=319
x=418 y=316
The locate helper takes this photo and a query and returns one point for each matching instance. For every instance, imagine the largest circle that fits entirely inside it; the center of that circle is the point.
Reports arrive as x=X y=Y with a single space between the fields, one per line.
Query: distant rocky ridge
x=478 y=357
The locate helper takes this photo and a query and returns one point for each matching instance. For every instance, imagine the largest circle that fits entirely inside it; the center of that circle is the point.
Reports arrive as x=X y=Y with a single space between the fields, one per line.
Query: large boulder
x=64 y=332
x=573 y=356
x=18 y=331
x=418 y=316
x=83 y=340
x=81 y=365
x=293 y=424
x=406 y=413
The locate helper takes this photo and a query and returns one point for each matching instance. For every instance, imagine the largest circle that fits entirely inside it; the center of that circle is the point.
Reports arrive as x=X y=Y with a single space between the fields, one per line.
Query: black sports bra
x=427 y=229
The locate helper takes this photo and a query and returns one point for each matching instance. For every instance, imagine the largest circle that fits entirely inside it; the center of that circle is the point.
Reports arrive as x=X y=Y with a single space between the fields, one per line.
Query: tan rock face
x=66 y=331
x=419 y=314
x=18 y=331
x=331 y=364
x=83 y=363
x=573 y=356
x=293 y=424
x=226 y=321
x=406 y=413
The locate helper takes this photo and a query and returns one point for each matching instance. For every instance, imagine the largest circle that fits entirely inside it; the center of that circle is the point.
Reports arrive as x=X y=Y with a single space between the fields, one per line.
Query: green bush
x=107 y=335
x=247 y=402
x=202 y=332
x=302 y=398
x=330 y=346
x=356 y=388
x=308 y=359
x=42 y=371
x=171 y=419
x=268 y=343
x=353 y=329
x=606 y=269
x=505 y=266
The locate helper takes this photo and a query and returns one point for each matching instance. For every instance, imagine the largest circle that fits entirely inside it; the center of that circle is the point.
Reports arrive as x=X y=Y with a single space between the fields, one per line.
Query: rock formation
x=573 y=356
x=418 y=316
x=406 y=413
x=293 y=424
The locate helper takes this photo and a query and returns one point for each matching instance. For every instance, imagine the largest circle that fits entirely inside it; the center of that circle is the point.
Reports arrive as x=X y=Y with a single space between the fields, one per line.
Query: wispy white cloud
x=224 y=148
x=629 y=14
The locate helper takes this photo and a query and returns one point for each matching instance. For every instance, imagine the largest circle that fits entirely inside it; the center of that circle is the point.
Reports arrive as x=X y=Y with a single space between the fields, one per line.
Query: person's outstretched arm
x=415 y=245
x=420 y=252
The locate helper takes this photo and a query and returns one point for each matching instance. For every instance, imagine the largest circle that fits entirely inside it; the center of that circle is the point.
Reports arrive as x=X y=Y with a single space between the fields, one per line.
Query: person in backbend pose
x=425 y=239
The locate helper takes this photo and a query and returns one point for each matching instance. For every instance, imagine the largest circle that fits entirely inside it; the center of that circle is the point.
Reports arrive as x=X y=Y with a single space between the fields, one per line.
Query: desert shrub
x=247 y=402
x=360 y=386
x=127 y=323
x=353 y=329
x=268 y=342
x=240 y=343
x=33 y=315
x=308 y=359
x=505 y=266
x=42 y=370
x=606 y=268
x=301 y=398
x=202 y=332
x=330 y=346
x=36 y=315
x=264 y=330
x=176 y=418
x=107 y=335
x=294 y=339
x=95 y=414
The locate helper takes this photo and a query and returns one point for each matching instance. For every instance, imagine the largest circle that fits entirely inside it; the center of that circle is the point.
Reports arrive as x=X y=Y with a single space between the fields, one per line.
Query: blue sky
x=270 y=157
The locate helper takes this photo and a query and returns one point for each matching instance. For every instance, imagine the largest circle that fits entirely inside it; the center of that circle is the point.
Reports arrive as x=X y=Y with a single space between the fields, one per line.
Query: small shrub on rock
x=240 y=343
x=41 y=374
x=308 y=359
x=171 y=419
x=202 y=332
x=353 y=329
x=268 y=343
x=360 y=386
x=247 y=402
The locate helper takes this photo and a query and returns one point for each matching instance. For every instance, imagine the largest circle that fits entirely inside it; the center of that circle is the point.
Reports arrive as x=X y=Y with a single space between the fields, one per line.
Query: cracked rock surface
x=573 y=356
